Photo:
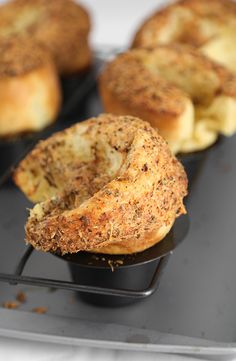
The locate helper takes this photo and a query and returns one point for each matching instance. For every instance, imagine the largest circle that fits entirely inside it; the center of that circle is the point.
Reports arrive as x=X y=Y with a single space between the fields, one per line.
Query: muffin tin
x=124 y=279
x=193 y=309
x=109 y=280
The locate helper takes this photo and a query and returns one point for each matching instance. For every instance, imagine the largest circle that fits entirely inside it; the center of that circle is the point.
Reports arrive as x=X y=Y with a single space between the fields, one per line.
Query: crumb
x=11 y=305
x=21 y=297
x=40 y=310
x=111 y=265
x=119 y=261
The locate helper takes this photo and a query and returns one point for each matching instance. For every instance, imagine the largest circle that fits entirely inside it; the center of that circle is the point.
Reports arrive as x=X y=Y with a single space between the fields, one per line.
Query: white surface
x=16 y=350
x=114 y=23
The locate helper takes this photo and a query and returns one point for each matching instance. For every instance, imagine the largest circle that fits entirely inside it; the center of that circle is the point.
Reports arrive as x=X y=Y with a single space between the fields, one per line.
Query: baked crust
x=207 y=25
x=30 y=94
x=20 y=56
x=62 y=26
x=116 y=189
x=188 y=97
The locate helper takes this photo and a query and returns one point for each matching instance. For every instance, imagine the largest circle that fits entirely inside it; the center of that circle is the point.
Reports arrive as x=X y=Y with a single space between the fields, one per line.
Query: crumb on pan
x=114 y=264
x=111 y=264
x=21 y=297
x=40 y=310
x=11 y=305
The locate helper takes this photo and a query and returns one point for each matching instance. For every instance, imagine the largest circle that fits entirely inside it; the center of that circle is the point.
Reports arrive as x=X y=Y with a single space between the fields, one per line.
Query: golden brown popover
x=109 y=184
x=62 y=26
x=209 y=25
x=30 y=93
x=187 y=96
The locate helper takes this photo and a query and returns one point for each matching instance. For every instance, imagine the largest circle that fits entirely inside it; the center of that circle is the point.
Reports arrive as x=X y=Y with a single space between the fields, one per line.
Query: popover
x=62 y=26
x=109 y=184
x=187 y=96
x=207 y=25
x=30 y=94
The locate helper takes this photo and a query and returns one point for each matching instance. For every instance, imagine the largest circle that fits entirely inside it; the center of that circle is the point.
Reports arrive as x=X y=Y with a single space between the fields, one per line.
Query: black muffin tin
x=193 y=310
x=123 y=279
x=109 y=280
x=99 y=279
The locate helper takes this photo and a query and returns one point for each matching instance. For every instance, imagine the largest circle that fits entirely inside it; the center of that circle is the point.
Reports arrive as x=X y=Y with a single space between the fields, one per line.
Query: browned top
x=21 y=55
x=128 y=78
x=22 y=16
x=192 y=22
x=121 y=184
x=60 y=25
x=163 y=78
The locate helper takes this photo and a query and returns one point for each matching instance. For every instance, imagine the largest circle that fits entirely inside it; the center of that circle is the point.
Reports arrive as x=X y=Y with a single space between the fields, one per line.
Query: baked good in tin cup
x=188 y=97
x=61 y=26
x=30 y=94
x=109 y=184
x=209 y=26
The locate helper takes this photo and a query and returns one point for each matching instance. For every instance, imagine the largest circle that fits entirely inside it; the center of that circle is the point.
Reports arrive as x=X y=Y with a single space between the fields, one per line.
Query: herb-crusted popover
x=188 y=97
x=30 y=93
x=210 y=26
x=109 y=184
x=61 y=26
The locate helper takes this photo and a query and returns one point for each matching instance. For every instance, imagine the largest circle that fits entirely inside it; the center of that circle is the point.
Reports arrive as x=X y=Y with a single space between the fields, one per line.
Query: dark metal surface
x=194 y=308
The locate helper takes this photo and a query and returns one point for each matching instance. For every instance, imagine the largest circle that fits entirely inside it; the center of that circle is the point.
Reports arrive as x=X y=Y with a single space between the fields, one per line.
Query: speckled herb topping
x=111 y=180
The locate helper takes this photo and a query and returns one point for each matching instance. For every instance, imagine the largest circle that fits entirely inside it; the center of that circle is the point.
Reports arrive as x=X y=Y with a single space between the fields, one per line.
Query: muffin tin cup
x=121 y=278
x=193 y=162
x=124 y=278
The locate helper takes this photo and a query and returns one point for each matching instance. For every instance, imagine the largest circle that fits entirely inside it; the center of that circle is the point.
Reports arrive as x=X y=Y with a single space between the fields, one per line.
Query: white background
x=114 y=23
